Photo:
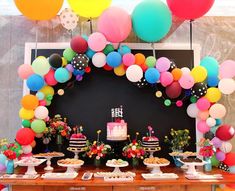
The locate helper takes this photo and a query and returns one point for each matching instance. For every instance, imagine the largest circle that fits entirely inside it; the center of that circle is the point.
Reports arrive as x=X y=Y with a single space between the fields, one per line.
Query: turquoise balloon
x=218 y=122
x=90 y=53
x=124 y=49
x=3 y=159
x=232 y=169
x=211 y=65
x=40 y=95
x=151 y=20
x=214 y=129
x=61 y=75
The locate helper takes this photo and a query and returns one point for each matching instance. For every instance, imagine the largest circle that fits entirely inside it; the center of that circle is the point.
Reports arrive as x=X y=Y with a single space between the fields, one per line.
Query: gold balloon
x=47 y=90
x=120 y=70
x=60 y=92
x=158 y=94
x=199 y=73
x=26 y=114
x=89 y=8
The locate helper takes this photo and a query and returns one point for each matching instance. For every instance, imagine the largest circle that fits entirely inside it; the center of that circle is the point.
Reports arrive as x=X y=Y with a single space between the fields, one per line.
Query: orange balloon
x=176 y=73
x=139 y=59
x=29 y=102
x=39 y=9
x=203 y=114
x=33 y=144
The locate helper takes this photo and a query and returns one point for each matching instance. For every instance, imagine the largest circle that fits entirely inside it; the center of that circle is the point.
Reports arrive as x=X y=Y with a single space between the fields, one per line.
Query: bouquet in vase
x=207 y=148
x=98 y=149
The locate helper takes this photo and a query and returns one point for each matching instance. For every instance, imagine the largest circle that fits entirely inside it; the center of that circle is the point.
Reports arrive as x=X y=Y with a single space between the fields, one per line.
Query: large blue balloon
x=61 y=75
x=114 y=59
x=152 y=75
x=78 y=72
x=35 y=82
x=151 y=20
x=3 y=159
x=211 y=65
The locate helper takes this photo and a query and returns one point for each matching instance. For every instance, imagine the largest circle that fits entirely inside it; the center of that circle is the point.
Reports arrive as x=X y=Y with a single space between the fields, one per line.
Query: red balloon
x=189 y=9
x=25 y=136
x=107 y=67
x=174 y=90
x=79 y=44
x=230 y=159
x=50 y=79
x=225 y=132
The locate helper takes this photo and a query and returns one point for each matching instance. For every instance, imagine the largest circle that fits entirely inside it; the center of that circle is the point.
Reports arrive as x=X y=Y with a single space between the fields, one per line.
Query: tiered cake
x=77 y=140
x=117 y=129
x=150 y=142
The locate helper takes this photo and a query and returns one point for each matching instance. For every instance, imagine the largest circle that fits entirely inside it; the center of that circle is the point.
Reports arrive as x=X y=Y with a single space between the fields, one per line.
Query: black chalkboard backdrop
x=89 y=103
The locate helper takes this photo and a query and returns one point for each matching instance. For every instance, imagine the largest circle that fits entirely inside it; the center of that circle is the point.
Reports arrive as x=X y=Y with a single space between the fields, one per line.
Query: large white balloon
x=226 y=147
x=192 y=110
x=217 y=111
x=99 y=59
x=134 y=73
x=226 y=86
x=41 y=112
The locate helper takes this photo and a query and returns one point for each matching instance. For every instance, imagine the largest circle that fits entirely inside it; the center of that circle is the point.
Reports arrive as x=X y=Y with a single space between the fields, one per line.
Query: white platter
x=104 y=174
x=71 y=167
x=19 y=176
x=59 y=176
x=156 y=165
x=163 y=176
x=202 y=176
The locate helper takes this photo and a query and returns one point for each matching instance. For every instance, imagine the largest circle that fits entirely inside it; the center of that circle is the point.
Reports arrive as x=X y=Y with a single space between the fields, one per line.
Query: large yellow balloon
x=47 y=90
x=26 y=114
x=89 y=8
x=213 y=94
x=39 y=9
x=199 y=73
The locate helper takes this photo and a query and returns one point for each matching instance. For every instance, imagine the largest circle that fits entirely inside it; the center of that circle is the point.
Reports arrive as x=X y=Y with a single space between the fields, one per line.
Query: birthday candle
x=112 y=114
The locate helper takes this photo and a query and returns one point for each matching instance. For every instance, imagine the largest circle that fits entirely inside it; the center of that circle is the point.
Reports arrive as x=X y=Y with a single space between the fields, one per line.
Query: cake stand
x=152 y=151
x=156 y=168
x=31 y=166
x=71 y=168
x=117 y=166
x=48 y=158
x=191 y=166
x=76 y=151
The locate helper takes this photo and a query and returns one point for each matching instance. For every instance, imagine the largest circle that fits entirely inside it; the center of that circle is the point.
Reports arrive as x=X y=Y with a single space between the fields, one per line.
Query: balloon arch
x=151 y=21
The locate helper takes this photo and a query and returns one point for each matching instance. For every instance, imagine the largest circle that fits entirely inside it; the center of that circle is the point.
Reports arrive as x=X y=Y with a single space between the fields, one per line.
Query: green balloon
x=214 y=161
x=48 y=102
x=193 y=99
x=49 y=97
x=68 y=54
x=26 y=123
x=151 y=20
x=109 y=48
x=17 y=149
x=41 y=65
x=167 y=102
x=38 y=126
x=150 y=61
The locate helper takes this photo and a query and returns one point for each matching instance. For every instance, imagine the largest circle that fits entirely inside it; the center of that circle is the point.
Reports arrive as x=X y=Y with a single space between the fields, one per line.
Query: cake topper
x=150 y=131
x=117 y=113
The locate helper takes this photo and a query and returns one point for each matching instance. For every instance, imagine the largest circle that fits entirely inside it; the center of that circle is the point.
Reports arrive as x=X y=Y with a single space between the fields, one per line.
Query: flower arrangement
x=134 y=149
x=12 y=151
x=98 y=149
x=178 y=139
x=57 y=127
x=207 y=148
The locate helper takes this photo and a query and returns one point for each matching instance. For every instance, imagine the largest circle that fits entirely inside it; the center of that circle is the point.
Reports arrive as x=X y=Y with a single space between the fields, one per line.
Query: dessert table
x=98 y=184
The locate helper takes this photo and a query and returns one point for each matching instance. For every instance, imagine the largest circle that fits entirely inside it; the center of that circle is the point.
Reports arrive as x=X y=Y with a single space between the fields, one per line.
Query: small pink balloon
x=179 y=103
x=203 y=127
x=203 y=114
x=42 y=102
x=163 y=64
x=97 y=41
x=24 y=71
x=128 y=59
x=203 y=104
x=186 y=81
x=115 y=23
x=227 y=69
x=50 y=78
x=166 y=78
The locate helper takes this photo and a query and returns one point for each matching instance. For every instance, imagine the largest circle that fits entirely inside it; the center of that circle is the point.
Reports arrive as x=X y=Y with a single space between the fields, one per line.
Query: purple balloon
x=69 y=67
x=2 y=168
x=220 y=156
x=163 y=64
x=79 y=78
x=216 y=142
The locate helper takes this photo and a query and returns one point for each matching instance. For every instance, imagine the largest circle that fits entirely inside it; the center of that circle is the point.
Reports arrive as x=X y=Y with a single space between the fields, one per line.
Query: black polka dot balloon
x=199 y=90
x=80 y=61
x=142 y=83
x=172 y=66
x=223 y=166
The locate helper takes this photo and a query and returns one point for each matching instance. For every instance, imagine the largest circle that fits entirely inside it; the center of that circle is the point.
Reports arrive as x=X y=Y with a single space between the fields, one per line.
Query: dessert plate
x=163 y=176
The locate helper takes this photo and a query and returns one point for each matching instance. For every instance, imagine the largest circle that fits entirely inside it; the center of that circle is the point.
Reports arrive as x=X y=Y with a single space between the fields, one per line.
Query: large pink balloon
x=24 y=71
x=115 y=24
x=227 y=69
x=190 y=9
